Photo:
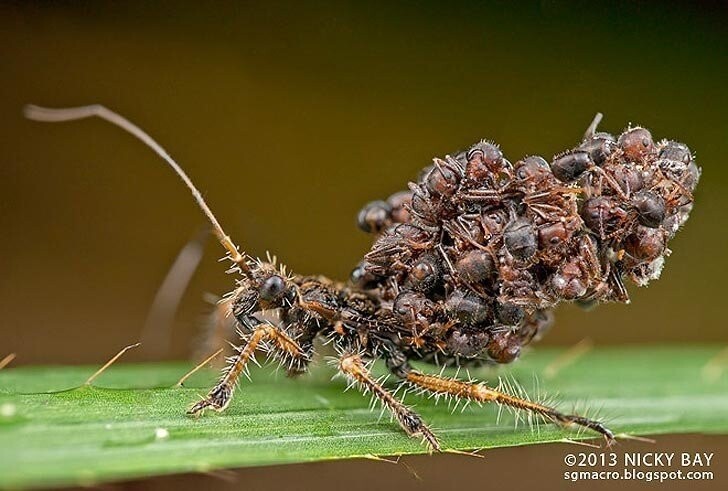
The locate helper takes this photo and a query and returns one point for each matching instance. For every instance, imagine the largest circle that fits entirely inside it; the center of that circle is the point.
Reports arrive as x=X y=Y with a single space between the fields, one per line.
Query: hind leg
x=480 y=392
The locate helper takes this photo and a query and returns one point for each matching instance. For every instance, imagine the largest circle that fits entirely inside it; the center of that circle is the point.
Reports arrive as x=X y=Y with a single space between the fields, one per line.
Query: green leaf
x=131 y=422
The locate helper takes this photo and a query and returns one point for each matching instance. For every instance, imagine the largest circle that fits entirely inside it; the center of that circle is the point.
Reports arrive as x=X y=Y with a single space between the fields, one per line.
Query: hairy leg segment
x=480 y=392
x=280 y=344
x=353 y=367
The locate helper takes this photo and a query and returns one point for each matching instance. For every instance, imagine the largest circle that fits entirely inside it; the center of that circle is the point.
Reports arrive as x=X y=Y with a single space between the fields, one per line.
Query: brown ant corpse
x=466 y=265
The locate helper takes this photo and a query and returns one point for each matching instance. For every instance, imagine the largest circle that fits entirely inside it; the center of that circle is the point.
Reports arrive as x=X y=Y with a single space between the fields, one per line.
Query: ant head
x=532 y=169
x=636 y=143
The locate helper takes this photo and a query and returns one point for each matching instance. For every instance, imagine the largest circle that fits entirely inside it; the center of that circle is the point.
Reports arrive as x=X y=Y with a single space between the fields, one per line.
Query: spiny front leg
x=480 y=392
x=280 y=343
x=353 y=367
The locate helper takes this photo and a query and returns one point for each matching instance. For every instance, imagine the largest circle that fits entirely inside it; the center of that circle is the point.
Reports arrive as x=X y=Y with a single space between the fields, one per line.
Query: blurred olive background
x=290 y=116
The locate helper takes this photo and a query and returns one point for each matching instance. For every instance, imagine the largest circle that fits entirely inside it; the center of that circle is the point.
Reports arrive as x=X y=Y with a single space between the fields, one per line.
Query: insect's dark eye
x=421 y=205
x=272 y=288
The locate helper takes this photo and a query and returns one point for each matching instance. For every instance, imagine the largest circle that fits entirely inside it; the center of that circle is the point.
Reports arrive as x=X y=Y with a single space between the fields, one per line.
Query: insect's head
x=267 y=287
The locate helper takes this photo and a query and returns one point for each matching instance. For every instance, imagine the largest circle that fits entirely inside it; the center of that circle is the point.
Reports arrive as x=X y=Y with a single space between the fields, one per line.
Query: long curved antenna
x=51 y=115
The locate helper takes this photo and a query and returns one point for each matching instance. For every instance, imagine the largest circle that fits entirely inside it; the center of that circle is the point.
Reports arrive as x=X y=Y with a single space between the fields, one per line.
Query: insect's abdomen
x=478 y=249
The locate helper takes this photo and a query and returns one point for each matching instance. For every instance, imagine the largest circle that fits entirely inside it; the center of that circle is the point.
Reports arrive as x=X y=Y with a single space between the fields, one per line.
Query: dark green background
x=290 y=116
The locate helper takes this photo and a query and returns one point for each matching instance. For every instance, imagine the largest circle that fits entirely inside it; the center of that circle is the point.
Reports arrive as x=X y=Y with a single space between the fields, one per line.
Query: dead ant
x=465 y=269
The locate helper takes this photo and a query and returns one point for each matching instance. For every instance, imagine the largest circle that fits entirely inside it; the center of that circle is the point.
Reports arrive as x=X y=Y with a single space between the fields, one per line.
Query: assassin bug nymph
x=466 y=266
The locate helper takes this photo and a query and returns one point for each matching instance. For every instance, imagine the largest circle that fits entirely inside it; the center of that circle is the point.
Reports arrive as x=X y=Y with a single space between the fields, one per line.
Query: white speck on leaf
x=8 y=410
